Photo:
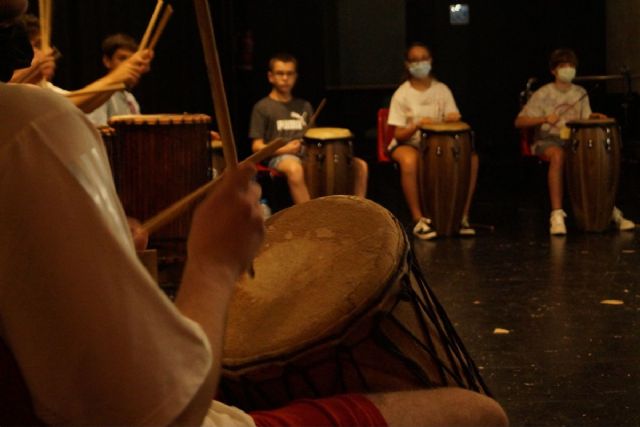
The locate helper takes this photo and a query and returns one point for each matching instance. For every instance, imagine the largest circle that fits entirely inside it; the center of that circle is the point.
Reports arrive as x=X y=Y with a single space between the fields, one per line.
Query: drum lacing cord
x=471 y=373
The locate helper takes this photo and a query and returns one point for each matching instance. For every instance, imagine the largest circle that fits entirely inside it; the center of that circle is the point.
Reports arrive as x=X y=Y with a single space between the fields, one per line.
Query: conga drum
x=444 y=174
x=158 y=159
x=328 y=161
x=339 y=306
x=593 y=171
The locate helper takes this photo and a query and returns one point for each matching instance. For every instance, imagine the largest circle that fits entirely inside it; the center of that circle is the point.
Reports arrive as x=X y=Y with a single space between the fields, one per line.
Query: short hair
x=282 y=57
x=118 y=41
x=559 y=56
x=415 y=44
x=31 y=25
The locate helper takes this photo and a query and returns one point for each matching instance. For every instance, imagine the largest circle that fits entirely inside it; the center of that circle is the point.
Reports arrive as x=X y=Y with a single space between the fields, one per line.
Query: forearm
x=89 y=102
x=526 y=122
x=404 y=133
x=204 y=297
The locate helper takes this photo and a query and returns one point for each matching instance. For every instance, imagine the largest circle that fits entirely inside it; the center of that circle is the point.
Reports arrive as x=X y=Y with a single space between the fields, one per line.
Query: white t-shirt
x=121 y=103
x=571 y=104
x=96 y=340
x=410 y=105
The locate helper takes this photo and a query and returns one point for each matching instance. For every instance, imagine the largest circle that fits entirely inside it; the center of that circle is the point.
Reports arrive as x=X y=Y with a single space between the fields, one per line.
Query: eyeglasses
x=284 y=73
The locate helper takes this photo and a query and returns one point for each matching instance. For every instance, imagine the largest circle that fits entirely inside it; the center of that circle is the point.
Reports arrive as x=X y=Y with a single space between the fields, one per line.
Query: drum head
x=159 y=119
x=446 y=127
x=326 y=134
x=591 y=122
x=323 y=263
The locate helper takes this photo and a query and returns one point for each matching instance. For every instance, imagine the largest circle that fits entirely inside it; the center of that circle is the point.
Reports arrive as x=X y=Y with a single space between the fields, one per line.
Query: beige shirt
x=409 y=105
x=97 y=342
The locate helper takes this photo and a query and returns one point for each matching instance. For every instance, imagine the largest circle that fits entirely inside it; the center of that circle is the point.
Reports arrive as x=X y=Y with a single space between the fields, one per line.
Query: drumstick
x=314 y=117
x=44 y=8
x=216 y=85
x=163 y=23
x=111 y=88
x=172 y=212
x=152 y=23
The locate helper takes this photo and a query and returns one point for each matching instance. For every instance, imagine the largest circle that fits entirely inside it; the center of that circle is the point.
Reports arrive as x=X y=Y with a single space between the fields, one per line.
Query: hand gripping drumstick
x=173 y=211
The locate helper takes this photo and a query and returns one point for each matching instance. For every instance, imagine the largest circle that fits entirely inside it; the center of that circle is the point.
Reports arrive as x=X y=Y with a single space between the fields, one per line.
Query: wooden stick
x=216 y=85
x=160 y=28
x=172 y=212
x=111 y=88
x=45 y=25
x=314 y=117
x=152 y=23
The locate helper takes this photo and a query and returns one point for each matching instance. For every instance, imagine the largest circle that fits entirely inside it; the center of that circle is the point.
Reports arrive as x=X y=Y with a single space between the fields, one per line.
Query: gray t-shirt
x=271 y=119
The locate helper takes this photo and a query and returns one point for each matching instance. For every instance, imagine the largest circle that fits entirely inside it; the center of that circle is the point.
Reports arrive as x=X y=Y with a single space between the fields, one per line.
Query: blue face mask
x=420 y=69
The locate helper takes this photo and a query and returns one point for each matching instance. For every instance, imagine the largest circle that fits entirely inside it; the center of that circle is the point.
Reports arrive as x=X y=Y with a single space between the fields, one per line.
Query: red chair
x=526 y=138
x=385 y=135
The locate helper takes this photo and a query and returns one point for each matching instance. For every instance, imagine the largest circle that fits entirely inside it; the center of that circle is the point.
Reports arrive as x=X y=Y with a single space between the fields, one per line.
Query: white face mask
x=420 y=69
x=566 y=74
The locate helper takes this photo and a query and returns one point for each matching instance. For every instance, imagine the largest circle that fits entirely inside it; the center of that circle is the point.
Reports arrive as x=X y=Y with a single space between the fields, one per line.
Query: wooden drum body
x=157 y=160
x=444 y=174
x=337 y=305
x=328 y=161
x=593 y=171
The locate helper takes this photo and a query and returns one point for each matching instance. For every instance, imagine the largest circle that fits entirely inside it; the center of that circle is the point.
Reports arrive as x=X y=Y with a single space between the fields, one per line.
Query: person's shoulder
x=30 y=100
x=579 y=89
x=263 y=102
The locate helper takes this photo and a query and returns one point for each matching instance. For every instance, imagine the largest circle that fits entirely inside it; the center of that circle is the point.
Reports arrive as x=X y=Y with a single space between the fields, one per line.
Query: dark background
x=350 y=52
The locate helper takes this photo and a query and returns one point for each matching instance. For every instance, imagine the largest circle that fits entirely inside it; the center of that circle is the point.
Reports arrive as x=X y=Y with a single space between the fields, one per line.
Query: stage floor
x=566 y=358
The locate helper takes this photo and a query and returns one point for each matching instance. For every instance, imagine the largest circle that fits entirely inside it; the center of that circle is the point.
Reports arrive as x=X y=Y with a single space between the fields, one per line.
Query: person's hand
x=452 y=117
x=598 y=116
x=215 y=136
x=130 y=71
x=139 y=235
x=227 y=227
x=292 y=147
x=552 y=118
x=425 y=121
x=46 y=63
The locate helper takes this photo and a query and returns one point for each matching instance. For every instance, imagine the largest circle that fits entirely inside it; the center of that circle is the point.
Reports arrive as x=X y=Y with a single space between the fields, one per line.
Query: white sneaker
x=621 y=222
x=465 y=228
x=557 y=222
x=423 y=230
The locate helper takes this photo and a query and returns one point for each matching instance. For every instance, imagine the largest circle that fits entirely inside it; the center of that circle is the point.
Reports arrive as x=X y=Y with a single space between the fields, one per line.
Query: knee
x=408 y=165
x=556 y=157
x=361 y=167
x=295 y=172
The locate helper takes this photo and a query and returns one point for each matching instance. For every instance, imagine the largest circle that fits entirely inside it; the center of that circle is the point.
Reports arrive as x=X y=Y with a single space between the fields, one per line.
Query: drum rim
x=159 y=119
x=341 y=134
x=591 y=122
x=446 y=127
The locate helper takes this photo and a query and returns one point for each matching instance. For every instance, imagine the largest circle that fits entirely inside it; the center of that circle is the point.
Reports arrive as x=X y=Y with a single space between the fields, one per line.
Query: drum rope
x=472 y=372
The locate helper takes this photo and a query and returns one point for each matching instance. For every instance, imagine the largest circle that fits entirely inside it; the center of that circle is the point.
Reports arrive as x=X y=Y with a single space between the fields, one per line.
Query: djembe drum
x=328 y=161
x=157 y=160
x=592 y=171
x=337 y=305
x=444 y=173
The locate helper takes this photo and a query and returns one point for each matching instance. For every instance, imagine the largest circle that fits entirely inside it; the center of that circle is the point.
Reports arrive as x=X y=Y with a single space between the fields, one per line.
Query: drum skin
x=444 y=174
x=157 y=160
x=593 y=171
x=333 y=309
x=328 y=161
